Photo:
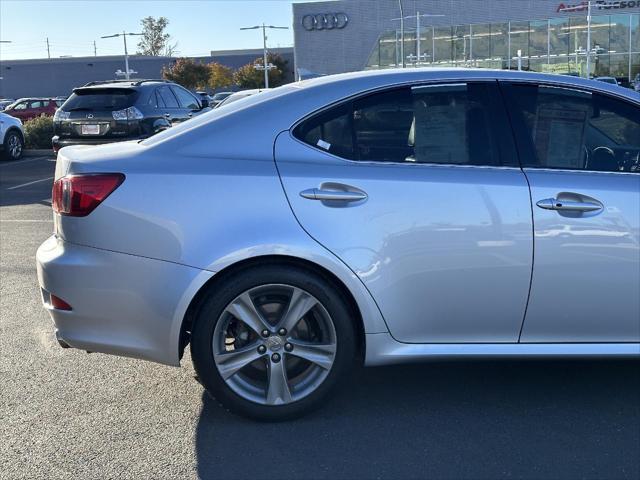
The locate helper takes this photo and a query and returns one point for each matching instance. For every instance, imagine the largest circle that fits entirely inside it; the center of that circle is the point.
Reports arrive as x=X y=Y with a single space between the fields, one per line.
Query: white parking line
x=30 y=183
x=26 y=160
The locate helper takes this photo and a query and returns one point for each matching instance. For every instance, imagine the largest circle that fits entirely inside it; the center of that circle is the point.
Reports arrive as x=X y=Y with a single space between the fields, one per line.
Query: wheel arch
x=210 y=285
x=11 y=129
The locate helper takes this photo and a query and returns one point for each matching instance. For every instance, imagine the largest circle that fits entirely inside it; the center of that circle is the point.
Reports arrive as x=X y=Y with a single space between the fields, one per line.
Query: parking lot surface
x=67 y=414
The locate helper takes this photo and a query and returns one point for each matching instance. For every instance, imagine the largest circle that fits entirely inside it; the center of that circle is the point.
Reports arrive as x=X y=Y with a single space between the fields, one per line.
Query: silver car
x=382 y=216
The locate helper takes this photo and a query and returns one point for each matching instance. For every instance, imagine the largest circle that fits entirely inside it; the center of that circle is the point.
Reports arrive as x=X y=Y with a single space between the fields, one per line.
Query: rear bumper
x=121 y=304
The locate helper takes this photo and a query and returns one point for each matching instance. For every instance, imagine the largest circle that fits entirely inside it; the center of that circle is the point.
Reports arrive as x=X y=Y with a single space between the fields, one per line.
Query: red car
x=28 y=108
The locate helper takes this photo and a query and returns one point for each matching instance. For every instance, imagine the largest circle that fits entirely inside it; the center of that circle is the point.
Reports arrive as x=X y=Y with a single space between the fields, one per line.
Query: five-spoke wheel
x=276 y=345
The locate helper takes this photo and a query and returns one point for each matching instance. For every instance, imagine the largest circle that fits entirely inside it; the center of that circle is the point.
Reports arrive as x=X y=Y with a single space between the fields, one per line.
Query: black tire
x=230 y=287
x=13 y=145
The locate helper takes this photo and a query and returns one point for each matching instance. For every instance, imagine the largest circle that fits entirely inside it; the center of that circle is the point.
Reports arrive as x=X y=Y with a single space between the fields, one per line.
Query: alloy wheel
x=274 y=344
x=14 y=146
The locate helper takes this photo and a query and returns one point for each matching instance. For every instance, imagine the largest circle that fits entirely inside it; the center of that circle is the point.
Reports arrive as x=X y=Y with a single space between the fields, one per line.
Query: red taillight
x=79 y=195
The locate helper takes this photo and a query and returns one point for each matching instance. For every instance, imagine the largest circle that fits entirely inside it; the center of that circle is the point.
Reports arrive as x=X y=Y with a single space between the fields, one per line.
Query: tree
x=248 y=76
x=219 y=75
x=188 y=73
x=154 y=40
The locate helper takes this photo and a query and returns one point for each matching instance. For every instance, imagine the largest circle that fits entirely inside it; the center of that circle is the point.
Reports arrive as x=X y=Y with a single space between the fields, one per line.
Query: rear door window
x=95 y=99
x=456 y=124
x=168 y=97
x=185 y=99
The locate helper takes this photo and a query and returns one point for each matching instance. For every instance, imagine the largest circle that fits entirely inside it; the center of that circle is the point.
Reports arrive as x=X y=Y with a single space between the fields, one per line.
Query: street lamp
x=579 y=8
x=417 y=16
x=266 y=67
x=126 y=54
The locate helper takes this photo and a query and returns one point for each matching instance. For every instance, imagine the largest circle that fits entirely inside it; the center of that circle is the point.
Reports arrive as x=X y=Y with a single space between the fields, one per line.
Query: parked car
x=28 y=108
x=219 y=97
x=11 y=137
x=394 y=216
x=234 y=97
x=113 y=111
x=611 y=80
x=5 y=102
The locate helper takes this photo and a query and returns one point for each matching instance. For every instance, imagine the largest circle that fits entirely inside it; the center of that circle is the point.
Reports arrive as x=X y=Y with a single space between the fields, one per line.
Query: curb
x=40 y=152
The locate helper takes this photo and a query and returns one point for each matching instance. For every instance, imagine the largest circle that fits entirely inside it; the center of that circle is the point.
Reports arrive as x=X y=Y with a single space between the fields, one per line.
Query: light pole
x=126 y=54
x=417 y=16
x=589 y=4
x=265 y=66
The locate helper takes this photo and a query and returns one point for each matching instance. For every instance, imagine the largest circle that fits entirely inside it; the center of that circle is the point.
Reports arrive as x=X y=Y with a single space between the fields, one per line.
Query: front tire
x=270 y=342
x=13 y=146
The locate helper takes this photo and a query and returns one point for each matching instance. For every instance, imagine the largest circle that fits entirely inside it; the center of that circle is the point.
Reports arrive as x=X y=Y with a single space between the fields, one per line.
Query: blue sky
x=197 y=26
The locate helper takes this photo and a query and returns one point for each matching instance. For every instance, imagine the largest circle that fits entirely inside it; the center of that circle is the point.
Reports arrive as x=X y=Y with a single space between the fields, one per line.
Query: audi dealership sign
x=325 y=21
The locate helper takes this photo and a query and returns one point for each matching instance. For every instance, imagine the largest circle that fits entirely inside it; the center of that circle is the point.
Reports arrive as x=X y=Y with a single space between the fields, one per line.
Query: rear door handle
x=567 y=205
x=337 y=195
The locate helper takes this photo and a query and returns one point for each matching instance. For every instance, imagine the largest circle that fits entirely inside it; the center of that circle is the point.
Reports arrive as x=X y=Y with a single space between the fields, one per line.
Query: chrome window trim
x=565 y=170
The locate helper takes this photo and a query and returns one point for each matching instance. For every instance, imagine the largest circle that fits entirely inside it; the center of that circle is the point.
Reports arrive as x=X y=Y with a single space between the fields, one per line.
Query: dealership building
x=537 y=35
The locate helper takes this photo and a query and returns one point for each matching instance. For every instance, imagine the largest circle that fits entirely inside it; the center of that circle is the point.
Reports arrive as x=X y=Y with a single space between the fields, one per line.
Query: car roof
x=133 y=83
x=405 y=75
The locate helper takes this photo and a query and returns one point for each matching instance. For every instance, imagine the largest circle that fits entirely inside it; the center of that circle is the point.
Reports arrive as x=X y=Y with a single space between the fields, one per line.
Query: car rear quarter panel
x=204 y=212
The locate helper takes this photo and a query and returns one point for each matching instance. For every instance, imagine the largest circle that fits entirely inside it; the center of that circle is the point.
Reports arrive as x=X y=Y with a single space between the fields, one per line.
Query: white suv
x=11 y=137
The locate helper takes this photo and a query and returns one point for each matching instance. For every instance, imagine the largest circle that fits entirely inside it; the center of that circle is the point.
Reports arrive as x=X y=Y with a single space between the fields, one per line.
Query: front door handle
x=568 y=205
x=337 y=195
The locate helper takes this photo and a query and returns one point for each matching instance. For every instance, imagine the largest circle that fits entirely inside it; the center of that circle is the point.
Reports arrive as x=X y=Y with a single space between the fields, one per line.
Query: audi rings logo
x=325 y=21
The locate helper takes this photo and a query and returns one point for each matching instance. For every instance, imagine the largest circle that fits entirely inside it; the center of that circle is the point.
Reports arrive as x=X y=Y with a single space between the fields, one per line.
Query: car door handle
x=567 y=205
x=338 y=195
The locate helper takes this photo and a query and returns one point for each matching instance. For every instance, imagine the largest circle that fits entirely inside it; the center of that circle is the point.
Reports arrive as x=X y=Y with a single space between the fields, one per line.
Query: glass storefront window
x=426 y=45
x=635 y=65
x=635 y=33
x=480 y=41
x=560 y=64
x=619 y=65
x=538 y=39
x=499 y=40
x=601 y=65
x=389 y=49
x=559 y=35
x=461 y=44
x=600 y=34
x=442 y=39
x=410 y=47
x=619 y=33
x=556 y=45
x=519 y=36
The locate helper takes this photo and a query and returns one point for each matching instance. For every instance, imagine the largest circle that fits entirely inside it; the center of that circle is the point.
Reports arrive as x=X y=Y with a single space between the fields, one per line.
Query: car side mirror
x=204 y=102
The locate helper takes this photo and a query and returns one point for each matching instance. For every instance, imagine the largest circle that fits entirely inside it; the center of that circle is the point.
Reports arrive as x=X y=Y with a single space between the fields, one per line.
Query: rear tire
x=13 y=146
x=279 y=374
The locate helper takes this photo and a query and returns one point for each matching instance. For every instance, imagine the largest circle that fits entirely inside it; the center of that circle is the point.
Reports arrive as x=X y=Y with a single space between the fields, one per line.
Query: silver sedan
x=384 y=217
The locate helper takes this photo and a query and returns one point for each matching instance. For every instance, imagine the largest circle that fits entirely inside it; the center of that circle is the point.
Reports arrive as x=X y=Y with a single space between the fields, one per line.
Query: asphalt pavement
x=68 y=414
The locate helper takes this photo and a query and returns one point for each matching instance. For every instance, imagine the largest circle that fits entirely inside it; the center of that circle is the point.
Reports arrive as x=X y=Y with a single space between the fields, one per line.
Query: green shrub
x=38 y=132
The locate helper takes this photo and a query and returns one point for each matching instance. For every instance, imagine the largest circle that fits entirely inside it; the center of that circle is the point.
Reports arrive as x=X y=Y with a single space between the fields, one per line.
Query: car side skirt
x=382 y=349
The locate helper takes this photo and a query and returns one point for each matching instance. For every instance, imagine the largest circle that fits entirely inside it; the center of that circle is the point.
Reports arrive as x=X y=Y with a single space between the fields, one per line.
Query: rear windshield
x=94 y=99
